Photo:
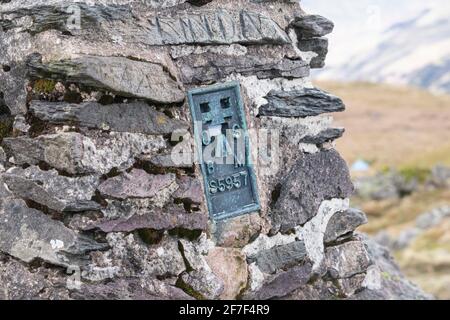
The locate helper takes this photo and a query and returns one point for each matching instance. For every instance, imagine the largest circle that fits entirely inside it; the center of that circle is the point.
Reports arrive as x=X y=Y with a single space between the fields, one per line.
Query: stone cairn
x=92 y=204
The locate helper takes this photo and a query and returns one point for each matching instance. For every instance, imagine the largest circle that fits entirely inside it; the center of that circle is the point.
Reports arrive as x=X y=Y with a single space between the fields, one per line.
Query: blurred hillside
x=402 y=134
x=396 y=42
x=393 y=126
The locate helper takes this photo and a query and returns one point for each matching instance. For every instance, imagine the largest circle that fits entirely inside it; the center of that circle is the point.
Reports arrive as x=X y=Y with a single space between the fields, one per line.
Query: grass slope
x=392 y=126
x=407 y=129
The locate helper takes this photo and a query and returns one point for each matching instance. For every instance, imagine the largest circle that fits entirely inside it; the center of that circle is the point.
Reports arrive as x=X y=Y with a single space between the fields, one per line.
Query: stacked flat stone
x=89 y=184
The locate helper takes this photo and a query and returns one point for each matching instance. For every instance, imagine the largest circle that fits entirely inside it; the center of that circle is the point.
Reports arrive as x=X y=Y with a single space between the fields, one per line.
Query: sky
x=360 y=23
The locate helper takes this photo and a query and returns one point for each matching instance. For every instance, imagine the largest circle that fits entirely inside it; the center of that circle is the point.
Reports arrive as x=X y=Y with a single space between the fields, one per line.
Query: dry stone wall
x=95 y=205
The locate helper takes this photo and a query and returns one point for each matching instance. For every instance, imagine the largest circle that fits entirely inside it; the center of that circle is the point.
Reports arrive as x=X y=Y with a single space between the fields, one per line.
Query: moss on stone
x=6 y=126
x=415 y=173
x=189 y=290
x=44 y=86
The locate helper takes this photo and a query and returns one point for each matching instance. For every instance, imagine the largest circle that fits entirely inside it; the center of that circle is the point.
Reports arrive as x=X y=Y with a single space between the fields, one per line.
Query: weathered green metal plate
x=223 y=144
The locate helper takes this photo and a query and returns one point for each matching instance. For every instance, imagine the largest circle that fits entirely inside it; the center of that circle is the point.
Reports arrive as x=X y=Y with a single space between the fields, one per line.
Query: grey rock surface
x=300 y=103
x=12 y=83
x=318 y=46
x=199 y=279
x=135 y=184
x=165 y=160
x=280 y=257
x=28 y=234
x=189 y=190
x=393 y=285
x=175 y=27
x=314 y=178
x=285 y=283
x=156 y=219
x=312 y=26
x=342 y=224
x=315 y=290
x=77 y=154
x=347 y=260
x=130 y=256
x=130 y=289
x=140 y=117
x=321 y=289
x=51 y=190
x=204 y=283
x=18 y=282
x=123 y=76
x=324 y=136
x=266 y=63
x=225 y=27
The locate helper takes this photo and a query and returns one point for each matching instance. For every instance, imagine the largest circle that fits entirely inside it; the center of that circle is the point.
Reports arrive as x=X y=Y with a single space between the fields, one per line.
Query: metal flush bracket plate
x=223 y=146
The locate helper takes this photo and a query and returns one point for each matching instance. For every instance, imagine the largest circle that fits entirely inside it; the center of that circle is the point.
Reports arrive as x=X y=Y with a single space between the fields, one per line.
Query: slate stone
x=321 y=289
x=12 y=84
x=51 y=190
x=55 y=17
x=324 y=136
x=190 y=190
x=313 y=179
x=28 y=234
x=126 y=208
x=29 y=190
x=393 y=285
x=280 y=257
x=306 y=102
x=109 y=22
x=318 y=289
x=199 y=2
x=346 y=260
x=20 y=125
x=216 y=27
x=342 y=224
x=130 y=256
x=284 y=283
x=2 y=157
x=211 y=67
x=18 y=282
x=347 y=287
x=156 y=219
x=163 y=260
x=165 y=160
x=74 y=153
x=125 y=77
x=317 y=45
x=312 y=26
x=135 y=184
x=140 y=117
x=130 y=289
x=202 y=283
x=199 y=280
x=263 y=1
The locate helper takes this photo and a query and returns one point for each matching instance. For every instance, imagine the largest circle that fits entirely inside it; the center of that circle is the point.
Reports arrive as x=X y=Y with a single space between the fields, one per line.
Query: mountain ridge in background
x=411 y=50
